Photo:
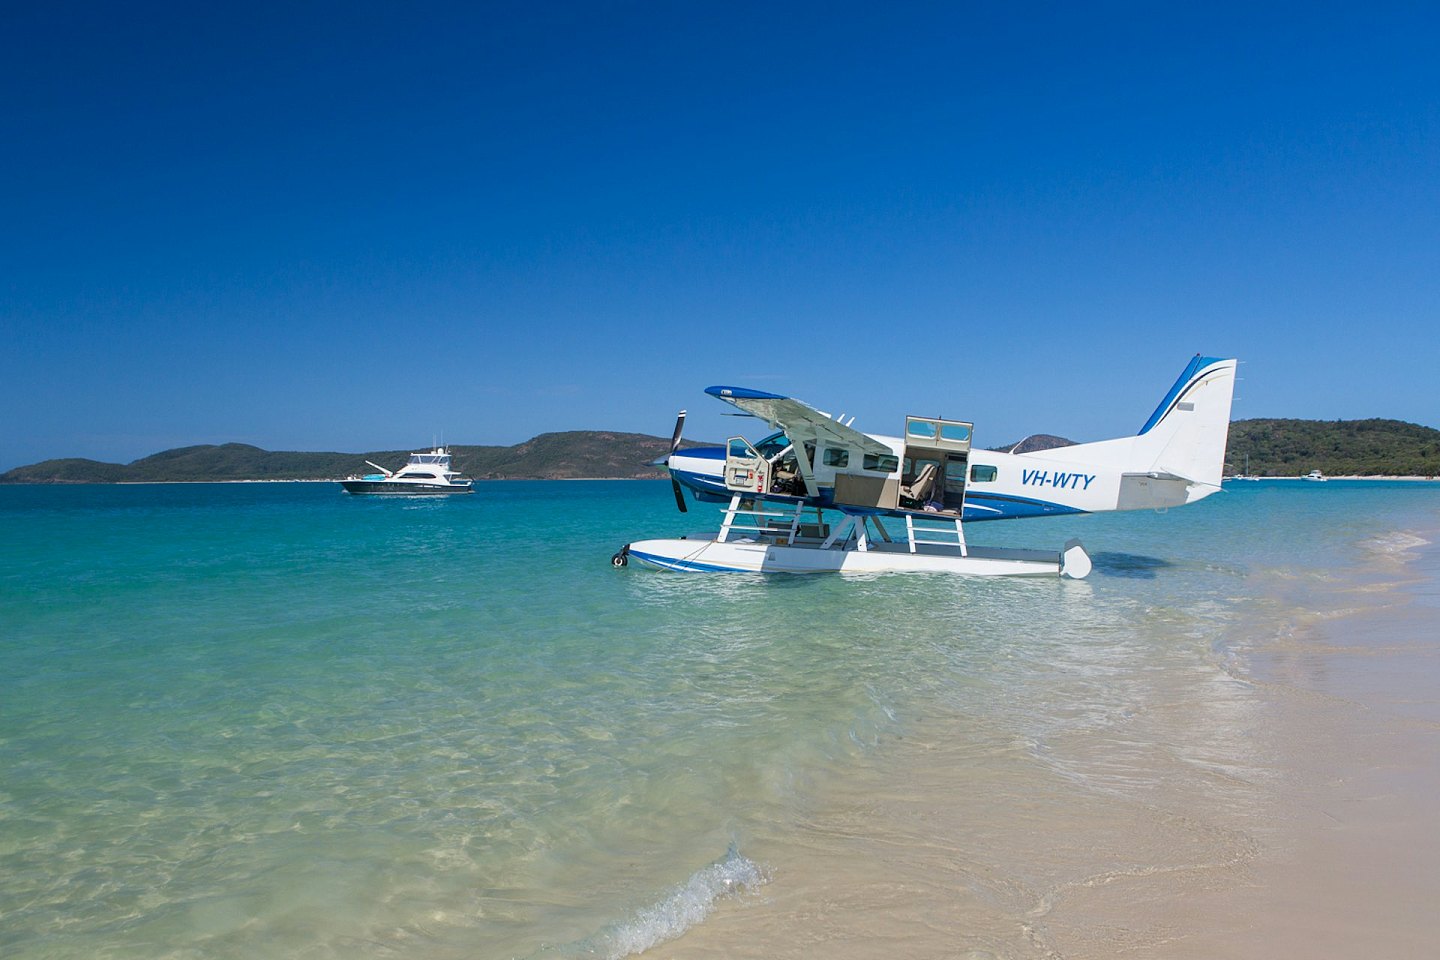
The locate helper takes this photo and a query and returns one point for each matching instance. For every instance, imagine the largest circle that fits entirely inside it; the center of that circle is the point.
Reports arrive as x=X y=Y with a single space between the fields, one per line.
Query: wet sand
x=1355 y=866
x=1281 y=804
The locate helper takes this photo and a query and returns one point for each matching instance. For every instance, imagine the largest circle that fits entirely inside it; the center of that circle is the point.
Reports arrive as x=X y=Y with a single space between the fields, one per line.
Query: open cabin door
x=937 y=456
x=746 y=471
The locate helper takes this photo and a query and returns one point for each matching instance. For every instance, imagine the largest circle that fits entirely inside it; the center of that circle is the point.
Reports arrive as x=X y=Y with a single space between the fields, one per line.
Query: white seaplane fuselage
x=1177 y=458
x=934 y=481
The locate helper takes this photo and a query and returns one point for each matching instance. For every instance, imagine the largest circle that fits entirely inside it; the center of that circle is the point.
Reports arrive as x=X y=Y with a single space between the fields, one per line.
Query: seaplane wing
x=800 y=421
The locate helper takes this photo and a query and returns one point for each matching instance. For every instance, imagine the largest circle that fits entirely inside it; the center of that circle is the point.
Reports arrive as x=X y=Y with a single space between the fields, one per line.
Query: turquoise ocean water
x=246 y=720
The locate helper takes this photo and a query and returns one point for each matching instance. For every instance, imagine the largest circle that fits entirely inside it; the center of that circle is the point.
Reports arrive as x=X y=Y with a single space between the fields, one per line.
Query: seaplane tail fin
x=1185 y=437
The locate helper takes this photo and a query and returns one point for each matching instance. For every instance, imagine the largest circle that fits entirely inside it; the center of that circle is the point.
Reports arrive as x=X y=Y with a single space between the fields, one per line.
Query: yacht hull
x=402 y=488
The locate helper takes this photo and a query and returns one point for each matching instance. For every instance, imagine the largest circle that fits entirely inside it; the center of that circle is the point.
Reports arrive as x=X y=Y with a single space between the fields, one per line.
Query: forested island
x=1341 y=448
x=550 y=456
x=1275 y=448
x=1293 y=448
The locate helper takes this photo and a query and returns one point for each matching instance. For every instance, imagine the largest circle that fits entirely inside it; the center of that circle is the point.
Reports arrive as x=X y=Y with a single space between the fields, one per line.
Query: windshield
x=772 y=445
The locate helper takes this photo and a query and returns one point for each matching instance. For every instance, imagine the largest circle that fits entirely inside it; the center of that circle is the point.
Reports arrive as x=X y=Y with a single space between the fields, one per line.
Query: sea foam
x=682 y=908
x=1396 y=543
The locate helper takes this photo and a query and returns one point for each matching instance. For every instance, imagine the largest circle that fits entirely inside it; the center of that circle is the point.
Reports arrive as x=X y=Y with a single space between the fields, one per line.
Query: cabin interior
x=930 y=479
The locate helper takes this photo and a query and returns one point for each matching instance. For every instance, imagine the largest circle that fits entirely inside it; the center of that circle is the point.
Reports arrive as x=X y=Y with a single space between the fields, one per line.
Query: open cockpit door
x=746 y=471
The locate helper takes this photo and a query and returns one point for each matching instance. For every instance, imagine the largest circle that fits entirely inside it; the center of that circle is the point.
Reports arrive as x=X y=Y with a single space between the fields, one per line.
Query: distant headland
x=1274 y=448
x=550 y=456
x=1337 y=448
x=1293 y=448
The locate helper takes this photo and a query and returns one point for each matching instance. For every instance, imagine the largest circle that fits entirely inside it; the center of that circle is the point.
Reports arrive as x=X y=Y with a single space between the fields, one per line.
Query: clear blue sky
x=355 y=226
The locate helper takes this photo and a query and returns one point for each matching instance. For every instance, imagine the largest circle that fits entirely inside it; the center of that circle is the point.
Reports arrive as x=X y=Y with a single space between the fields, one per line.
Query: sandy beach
x=1280 y=805
x=1354 y=864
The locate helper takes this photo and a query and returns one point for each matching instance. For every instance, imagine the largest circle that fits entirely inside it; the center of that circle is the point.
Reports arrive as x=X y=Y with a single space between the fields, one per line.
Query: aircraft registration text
x=1059 y=480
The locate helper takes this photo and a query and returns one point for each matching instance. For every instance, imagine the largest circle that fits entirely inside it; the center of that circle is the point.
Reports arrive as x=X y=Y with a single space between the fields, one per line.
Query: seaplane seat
x=783 y=481
x=923 y=485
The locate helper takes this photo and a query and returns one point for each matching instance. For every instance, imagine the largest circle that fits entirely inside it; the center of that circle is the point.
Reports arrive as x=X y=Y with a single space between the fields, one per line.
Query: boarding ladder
x=947 y=534
x=755 y=519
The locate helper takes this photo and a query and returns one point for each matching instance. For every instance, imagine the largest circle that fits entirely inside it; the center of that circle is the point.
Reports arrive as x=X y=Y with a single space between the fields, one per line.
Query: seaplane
x=932 y=479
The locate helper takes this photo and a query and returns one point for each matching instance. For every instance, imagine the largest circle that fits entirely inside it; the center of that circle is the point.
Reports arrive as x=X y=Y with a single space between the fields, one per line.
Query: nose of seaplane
x=700 y=469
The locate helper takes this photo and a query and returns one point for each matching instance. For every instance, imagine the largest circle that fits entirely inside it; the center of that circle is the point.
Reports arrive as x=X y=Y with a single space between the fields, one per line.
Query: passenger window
x=836 y=458
x=982 y=473
x=885 y=463
x=921 y=428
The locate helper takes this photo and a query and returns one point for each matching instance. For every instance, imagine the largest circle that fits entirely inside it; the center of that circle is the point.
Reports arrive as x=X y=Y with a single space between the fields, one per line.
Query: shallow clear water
x=273 y=720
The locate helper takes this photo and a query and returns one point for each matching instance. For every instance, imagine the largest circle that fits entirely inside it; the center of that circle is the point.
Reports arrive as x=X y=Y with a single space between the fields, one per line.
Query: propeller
x=675 y=445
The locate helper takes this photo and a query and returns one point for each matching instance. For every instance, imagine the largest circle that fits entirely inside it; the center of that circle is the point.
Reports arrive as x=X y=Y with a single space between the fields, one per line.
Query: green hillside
x=1276 y=448
x=1290 y=448
x=572 y=455
x=550 y=456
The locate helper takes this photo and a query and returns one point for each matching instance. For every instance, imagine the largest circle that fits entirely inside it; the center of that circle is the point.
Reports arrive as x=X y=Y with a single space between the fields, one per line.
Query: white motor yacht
x=425 y=474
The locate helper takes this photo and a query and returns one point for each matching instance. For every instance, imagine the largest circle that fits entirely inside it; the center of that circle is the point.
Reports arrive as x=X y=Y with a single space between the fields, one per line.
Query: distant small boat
x=1247 y=475
x=1315 y=475
x=426 y=474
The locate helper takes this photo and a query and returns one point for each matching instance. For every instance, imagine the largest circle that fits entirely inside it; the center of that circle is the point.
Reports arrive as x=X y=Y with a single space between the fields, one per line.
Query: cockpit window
x=772 y=445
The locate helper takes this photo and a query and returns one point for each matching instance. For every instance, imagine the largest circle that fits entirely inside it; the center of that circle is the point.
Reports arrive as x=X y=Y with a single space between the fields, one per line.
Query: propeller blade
x=679 y=426
x=665 y=462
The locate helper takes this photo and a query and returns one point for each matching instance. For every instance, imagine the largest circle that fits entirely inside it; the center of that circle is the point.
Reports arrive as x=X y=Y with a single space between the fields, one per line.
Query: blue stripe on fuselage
x=700 y=482
x=701 y=453
x=995 y=506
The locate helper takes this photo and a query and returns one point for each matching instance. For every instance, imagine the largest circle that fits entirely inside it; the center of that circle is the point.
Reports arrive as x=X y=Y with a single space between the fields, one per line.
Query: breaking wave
x=683 y=907
x=1397 y=543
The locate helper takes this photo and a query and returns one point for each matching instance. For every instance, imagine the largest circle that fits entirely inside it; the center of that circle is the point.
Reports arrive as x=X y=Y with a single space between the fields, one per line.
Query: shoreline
x=1289 y=812
x=1360 y=832
x=148 y=483
x=1340 y=477
x=158 y=483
